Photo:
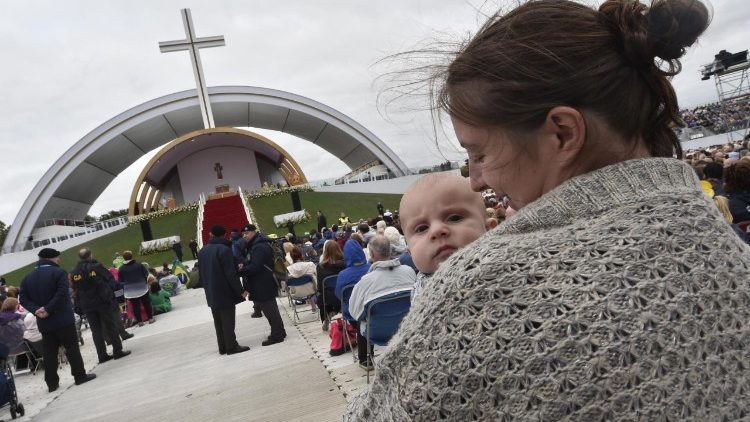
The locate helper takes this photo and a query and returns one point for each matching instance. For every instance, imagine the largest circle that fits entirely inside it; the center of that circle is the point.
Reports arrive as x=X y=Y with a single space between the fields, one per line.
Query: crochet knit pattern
x=620 y=295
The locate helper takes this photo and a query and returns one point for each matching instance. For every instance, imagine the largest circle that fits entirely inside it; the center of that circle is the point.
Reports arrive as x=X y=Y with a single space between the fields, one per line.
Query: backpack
x=339 y=345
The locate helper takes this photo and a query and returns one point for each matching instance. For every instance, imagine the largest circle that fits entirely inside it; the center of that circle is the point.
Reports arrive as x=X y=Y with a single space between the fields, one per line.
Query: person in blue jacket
x=45 y=293
x=356 y=267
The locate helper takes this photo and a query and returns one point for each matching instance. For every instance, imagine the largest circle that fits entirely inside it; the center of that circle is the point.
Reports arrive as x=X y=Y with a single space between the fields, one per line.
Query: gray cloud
x=70 y=66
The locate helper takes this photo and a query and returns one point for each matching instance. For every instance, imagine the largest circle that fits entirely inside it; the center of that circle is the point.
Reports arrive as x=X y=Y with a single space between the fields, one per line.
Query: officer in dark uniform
x=93 y=294
x=45 y=292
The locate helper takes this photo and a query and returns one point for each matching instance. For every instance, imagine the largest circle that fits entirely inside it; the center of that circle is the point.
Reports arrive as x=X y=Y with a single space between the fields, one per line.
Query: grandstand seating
x=227 y=211
x=715 y=118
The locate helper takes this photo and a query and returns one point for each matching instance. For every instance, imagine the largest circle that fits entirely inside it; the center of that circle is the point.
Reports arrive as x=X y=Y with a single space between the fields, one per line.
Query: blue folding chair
x=346 y=293
x=384 y=315
x=298 y=283
x=329 y=283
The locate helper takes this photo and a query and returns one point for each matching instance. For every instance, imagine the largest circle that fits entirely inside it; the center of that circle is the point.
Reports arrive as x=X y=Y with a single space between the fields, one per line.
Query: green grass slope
x=355 y=205
x=180 y=224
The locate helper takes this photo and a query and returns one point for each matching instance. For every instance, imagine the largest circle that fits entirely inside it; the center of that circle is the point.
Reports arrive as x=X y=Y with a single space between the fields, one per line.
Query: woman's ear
x=565 y=129
x=490 y=224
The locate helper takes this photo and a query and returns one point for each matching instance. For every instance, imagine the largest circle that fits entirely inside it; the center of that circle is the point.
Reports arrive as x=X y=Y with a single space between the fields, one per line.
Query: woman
x=11 y=326
x=32 y=336
x=133 y=276
x=288 y=248
x=160 y=299
x=737 y=187
x=300 y=268
x=331 y=263
x=602 y=298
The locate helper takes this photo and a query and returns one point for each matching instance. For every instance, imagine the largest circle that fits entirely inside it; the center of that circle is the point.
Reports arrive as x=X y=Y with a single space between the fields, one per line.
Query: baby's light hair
x=436 y=179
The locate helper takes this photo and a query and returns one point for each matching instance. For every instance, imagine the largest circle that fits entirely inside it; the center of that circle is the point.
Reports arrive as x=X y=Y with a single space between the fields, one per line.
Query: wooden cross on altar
x=218 y=168
x=192 y=44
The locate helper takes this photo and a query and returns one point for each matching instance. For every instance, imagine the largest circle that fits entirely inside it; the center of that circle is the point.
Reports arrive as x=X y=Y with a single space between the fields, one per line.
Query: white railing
x=244 y=205
x=85 y=229
x=199 y=221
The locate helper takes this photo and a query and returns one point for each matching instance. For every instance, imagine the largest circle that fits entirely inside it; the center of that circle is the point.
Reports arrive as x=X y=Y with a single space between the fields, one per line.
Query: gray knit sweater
x=620 y=295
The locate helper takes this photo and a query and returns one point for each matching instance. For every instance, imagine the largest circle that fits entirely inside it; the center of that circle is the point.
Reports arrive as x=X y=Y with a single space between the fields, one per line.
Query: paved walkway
x=176 y=373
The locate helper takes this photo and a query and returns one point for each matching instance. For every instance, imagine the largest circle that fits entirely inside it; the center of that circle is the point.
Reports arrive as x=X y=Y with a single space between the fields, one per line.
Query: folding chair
x=384 y=315
x=297 y=284
x=346 y=293
x=32 y=355
x=329 y=283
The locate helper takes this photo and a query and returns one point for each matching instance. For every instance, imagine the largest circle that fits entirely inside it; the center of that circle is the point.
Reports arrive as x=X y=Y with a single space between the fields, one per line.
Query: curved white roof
x=72 y=184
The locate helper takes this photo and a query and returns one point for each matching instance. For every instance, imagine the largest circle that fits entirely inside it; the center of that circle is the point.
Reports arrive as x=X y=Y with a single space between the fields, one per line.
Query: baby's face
x=439 y=220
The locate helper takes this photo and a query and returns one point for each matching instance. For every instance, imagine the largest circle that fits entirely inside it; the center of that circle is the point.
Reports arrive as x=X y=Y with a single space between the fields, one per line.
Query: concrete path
x=176 y=373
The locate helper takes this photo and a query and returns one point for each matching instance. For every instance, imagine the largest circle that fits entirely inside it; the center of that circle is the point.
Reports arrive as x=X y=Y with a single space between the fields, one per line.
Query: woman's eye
x=455 y=217
x=421 y=228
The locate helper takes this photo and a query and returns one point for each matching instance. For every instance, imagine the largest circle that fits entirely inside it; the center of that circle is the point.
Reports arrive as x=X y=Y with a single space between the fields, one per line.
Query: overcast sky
x=70 y=66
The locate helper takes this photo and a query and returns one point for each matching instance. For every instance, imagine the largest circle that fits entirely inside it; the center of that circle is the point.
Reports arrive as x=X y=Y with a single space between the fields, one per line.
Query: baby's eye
x=455 y=217
x=420 y=228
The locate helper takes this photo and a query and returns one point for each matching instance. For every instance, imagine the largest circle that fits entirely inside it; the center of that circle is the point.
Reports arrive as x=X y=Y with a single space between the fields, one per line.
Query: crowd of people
x=370 y=257
x=616 y=288
x=724 y=172
x=719 y=117
x=48 y=309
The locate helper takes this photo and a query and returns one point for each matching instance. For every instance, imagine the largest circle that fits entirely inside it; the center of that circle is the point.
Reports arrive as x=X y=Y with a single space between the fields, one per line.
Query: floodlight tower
x=731 y=74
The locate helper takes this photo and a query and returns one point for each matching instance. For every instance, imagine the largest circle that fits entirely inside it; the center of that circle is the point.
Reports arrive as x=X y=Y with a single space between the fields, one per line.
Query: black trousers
x=333 y=304
x=224 y=326
x=271 y=311
x=67 y=338
x=103 y=327
x=362 y=344
x=117 y=316
x=144 y=300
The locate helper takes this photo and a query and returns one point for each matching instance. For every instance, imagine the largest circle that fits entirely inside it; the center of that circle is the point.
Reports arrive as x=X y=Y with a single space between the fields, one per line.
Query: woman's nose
x=475 y=177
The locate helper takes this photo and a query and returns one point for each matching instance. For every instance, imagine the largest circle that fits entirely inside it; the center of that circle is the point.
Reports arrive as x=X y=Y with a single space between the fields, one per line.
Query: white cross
x=192 y=44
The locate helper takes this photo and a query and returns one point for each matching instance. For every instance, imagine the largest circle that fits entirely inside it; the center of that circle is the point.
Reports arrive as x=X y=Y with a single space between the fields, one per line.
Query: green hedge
x=180 y=224
x=355 y=205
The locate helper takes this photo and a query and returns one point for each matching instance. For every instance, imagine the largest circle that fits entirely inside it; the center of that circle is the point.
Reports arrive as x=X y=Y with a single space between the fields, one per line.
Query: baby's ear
x=491 y=223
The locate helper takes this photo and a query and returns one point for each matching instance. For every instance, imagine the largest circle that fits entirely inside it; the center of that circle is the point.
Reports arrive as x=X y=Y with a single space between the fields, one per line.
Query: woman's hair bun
x=674 y=25
x=662 y=30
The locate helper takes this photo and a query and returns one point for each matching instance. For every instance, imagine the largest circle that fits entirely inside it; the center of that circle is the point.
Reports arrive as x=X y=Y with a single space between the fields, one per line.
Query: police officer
x=93 y=294
x=44 y=291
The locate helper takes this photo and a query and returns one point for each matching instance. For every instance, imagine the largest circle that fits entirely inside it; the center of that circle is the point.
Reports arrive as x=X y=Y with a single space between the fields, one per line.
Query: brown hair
x=550 y=53
x=13 y=291
x=127 y=255
x=358 y=237
x=737 y=177
x=331 y=253
x=296 y=254
x=9 y=305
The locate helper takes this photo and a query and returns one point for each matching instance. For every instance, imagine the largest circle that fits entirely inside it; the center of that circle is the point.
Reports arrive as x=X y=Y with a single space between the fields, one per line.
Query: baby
x=440 y=214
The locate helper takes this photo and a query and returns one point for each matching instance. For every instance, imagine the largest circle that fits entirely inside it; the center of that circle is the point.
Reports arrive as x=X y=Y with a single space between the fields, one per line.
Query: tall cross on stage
x=192 y=44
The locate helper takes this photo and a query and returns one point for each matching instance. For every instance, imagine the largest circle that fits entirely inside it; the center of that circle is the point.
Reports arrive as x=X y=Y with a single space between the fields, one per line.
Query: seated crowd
x=393 y=252
x=724 y=171
x=719 y=117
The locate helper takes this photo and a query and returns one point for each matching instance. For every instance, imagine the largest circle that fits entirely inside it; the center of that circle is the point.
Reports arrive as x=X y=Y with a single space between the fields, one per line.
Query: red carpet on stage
x=228 y=212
